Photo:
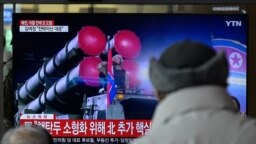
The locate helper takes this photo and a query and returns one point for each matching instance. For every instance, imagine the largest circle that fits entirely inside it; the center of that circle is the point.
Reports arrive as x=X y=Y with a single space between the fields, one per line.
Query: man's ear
x=159 y=95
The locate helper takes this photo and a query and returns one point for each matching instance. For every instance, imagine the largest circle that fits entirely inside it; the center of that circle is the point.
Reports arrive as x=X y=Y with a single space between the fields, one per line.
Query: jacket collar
x=191 y=99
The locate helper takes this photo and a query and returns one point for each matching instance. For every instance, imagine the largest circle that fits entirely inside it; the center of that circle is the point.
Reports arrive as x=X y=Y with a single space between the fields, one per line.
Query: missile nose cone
x=127 y=44
x=88 y=71
x=91 y=40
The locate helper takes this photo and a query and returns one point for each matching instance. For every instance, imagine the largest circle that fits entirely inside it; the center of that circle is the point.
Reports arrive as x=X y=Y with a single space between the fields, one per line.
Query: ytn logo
x=234 y=23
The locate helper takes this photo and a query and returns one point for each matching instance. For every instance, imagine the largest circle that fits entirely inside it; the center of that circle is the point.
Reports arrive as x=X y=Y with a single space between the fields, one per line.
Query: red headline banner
x=93 y=128
x=36 y=22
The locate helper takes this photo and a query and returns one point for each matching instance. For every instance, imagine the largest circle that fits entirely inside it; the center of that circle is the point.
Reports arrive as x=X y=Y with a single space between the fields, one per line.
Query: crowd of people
x=190 y=81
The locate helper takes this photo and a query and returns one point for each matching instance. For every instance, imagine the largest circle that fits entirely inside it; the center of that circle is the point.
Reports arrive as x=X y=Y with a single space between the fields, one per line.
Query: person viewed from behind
x=7 y=88
x=27 y=135
x=190 y=80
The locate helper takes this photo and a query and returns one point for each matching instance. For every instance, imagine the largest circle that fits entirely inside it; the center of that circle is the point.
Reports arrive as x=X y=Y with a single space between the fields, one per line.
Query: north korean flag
x=235 y=51
x=111 y=91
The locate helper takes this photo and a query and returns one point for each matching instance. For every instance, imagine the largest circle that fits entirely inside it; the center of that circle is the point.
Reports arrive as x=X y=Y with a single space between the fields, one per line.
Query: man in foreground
x=190 y=80
x=27 y=135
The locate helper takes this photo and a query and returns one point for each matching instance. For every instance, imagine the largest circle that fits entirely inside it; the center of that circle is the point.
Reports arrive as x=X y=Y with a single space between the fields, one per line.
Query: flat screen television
x=66 y=66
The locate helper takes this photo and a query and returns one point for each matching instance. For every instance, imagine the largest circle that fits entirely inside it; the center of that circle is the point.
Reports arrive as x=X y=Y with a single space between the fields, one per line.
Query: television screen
x=84 y=77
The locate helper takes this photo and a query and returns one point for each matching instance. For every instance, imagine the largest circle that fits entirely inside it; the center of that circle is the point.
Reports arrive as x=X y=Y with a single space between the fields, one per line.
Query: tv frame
x=128 y=1
x=94 y=15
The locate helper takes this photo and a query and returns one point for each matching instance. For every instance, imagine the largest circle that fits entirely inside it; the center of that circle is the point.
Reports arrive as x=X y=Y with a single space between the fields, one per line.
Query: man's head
x=27 y=135
x=187 y=64
x=117 y=59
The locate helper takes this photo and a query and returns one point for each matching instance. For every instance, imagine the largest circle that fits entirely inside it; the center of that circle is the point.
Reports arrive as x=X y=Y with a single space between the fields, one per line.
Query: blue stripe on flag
x=230 y=43
x=112 y=91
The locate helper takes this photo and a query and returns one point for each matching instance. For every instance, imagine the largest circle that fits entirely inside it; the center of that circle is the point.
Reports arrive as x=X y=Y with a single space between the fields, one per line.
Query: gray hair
x=27 y=135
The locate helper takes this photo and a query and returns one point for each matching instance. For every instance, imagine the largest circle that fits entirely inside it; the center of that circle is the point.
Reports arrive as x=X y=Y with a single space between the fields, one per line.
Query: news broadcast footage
x=84 y=77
